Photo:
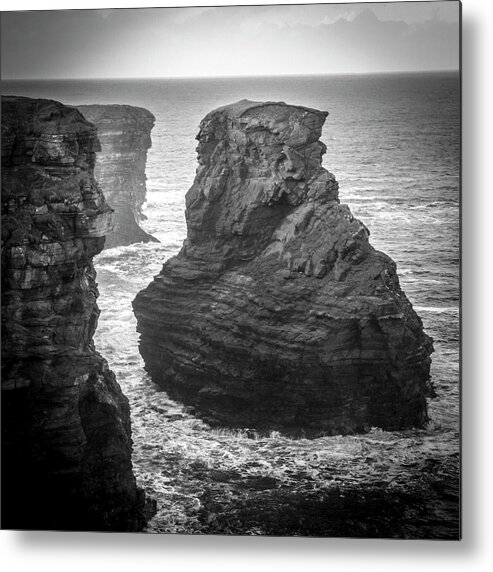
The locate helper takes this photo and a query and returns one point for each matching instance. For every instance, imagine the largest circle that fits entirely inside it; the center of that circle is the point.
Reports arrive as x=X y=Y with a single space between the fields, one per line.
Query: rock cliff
x=124 y=134
x=66 y=443
x=278 y=313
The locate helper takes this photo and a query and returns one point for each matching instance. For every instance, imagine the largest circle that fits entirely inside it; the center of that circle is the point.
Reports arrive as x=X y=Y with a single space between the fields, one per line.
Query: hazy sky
x=242 y=40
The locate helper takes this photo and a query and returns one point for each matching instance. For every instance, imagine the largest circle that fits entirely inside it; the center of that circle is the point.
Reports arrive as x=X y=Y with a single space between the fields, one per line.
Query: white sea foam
x=438 y=310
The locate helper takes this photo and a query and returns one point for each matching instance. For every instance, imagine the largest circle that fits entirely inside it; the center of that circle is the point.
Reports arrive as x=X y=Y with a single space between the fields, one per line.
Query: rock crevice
x=66 y=441
x=278 y=313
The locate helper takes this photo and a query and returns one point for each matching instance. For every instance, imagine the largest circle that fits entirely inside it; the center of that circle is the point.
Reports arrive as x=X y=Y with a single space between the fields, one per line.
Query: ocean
x=393 y=143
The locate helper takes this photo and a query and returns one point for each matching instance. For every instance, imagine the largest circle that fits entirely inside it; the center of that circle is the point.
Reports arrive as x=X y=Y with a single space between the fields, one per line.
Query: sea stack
x=124 y=132
x=278 y=314
x=66 y=442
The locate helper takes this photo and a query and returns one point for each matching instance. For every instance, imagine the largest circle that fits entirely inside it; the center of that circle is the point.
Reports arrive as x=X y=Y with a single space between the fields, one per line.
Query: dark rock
x=278 y=313
x=354 y=511
x=66 y=442
x=124 y=132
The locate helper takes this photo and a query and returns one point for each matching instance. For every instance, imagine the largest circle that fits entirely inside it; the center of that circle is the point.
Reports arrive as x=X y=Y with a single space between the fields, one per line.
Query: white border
x=81 y=4
x=36 y=551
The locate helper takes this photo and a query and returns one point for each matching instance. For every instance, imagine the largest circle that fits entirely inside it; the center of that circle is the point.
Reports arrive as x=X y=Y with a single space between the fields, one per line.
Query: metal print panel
x=230 y=270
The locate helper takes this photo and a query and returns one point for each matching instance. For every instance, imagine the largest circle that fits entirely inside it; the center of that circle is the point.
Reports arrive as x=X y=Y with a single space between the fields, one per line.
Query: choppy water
x=394 y=145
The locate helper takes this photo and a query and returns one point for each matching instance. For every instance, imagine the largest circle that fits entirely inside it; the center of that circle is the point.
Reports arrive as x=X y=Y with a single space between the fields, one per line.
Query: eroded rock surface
x=125 y=135
x=66 y=443
x=278 y=313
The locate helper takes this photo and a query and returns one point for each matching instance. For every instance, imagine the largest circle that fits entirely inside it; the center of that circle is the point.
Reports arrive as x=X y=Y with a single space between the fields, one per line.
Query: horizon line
x=127 y=78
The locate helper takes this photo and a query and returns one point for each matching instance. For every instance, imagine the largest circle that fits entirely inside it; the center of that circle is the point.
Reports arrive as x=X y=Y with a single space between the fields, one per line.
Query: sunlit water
x=393 y=144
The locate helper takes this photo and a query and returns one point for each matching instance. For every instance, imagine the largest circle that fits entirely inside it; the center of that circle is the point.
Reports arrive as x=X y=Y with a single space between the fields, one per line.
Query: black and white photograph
x=231 y=270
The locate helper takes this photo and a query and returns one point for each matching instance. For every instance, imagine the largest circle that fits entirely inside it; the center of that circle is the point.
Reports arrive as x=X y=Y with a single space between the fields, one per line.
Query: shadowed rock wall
x=66 y=444
x=278 y=313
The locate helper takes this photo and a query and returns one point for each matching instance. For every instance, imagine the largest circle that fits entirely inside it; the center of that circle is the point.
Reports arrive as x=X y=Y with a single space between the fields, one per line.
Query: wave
x=438 y=310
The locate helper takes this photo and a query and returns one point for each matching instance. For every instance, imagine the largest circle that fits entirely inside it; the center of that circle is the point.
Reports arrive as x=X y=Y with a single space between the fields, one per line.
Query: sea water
x=393 y=143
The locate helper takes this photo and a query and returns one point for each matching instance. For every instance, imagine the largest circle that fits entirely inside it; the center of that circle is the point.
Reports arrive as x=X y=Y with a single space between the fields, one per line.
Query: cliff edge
x=124 y=132
x=66 y=442
x=278 y=313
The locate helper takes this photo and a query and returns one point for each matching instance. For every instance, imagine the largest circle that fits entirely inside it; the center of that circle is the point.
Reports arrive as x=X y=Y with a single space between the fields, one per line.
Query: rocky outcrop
x=278 y=313
x=124 y=132
x=66 y=443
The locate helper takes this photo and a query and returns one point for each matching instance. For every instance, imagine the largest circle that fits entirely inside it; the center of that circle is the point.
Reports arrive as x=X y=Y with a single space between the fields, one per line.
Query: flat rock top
x=293 y=125
x=37 y=116
x=117 y=114
x=235 y=110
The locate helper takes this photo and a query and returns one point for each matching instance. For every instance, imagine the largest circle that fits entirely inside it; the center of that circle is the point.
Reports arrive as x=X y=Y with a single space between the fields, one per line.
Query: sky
x=230 y=41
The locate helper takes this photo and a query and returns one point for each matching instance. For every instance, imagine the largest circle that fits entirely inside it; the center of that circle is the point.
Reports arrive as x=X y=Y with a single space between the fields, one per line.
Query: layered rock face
x=278 y=313
x=66 y=443
x=124 y=133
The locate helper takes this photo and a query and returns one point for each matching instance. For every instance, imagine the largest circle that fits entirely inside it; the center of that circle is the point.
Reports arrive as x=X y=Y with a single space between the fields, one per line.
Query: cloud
x=234 y=40
x=363 y=43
